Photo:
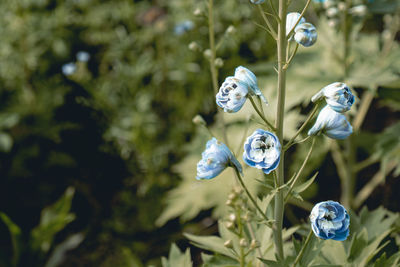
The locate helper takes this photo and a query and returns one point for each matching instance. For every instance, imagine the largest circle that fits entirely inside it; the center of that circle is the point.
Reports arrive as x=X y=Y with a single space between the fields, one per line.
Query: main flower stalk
x=279 y=204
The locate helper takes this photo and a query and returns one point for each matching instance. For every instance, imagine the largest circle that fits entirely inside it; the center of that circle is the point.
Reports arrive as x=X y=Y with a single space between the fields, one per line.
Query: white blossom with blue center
x=338 y=96
x=262 y=150
x=215 y=159
x=331 y=123
x=329 y=220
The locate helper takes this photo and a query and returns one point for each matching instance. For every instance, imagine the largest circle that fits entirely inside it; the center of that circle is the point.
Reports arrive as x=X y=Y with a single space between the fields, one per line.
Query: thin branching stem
x=267 y=22
x=260 y=114
x=303 y=249
x=291 y=57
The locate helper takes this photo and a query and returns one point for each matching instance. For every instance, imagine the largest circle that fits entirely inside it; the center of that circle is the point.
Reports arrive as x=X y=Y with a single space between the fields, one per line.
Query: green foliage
x=177 y=258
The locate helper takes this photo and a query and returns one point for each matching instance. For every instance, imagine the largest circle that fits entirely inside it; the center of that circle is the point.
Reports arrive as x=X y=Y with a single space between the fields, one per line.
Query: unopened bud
x=254 y=244
x=333 y=23
x=229 y=203
x=246 y=217
x=342 y=6
x=219 y=62
x=207 y=53
x=194 y=46
x=243 y=243
x=230 y=225
x=328 y=3
x=231 y=30
x=232 y=217
x=198 y=120
x=232 y=196
x=197 y=12
x=238 y=190
x=228 y=244
x=332 y=11
x=359 y=10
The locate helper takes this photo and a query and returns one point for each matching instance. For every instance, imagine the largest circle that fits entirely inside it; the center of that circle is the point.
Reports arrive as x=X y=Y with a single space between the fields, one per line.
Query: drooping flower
x=83 y=56
x=248 y=77
x=215 y=159
x=305 y=34
x=291 y=20
x=183 y=27
x=69 y=68
x=262 y=150
x=232 y=94
x=337 y=95
x=331 y=123
x=329 y=220
x=257 y=1
x=234 y=90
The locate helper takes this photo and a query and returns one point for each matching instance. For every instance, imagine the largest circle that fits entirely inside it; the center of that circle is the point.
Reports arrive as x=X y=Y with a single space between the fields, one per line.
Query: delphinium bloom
x=329 y=220
x=69 y=68
x=331 y=123
x=262 y=150
x=183 y=27
x=83 y=56
x=305 y=34
x=337 y=95
x=234 y=90
x=215 y=159
x=291 y=20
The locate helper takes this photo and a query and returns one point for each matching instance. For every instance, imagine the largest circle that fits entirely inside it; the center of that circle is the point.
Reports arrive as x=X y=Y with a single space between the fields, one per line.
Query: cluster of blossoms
x=70 y=68
x=331 y=120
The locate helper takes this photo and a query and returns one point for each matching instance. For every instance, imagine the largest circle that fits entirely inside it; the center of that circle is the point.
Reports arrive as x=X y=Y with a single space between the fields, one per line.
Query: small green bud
x=232 y=217
x=194 y=46
x=246 y=217
x=243 y=243
x=231 y=30
x=228 y=244
x=254 y=244
x=219 y=62
x=229 y=203
x=207 y=53
x=197 y=12
x=230 y=225
x=198 y=120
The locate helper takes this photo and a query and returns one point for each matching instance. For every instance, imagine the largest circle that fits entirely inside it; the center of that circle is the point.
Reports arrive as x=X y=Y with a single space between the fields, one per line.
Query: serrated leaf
x=177 y=258
x=218 y=261
x=211 y=243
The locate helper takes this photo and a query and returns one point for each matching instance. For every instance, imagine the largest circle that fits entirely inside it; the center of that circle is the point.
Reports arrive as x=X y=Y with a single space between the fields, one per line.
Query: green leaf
x=211 y=243
x=6 y=142
x=218 y=261
x=177 y=258
x=52 y=220
x=300 y=188
x=60 y=251
x=15 y=233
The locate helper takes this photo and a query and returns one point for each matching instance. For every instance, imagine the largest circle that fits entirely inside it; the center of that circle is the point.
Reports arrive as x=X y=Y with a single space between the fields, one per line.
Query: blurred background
x=96 y=134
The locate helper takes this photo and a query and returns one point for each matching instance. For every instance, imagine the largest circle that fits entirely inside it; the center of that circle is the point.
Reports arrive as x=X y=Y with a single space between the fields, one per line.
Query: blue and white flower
x=215 y=159
x=183 y=27
x=329 y=220
x=291 y=20
x=248 y=77
x=234 y=90
x=68 y=69
x=83 y=56
x=232 y=94
x=331 y=123
x=305 y=34
x=257 y=1
x=262 y=150
x=337 y=95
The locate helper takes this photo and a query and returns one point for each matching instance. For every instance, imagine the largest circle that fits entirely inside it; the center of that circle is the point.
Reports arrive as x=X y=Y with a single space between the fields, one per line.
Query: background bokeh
x=109 y=147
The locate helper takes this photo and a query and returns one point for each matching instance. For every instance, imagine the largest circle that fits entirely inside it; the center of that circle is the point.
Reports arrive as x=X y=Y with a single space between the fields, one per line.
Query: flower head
x=291 y=20
x=232 y=94
x=248 y=77
x=183 y=27
x=257 y=1
x=329 y=220
x=215 y=159
x=337 y=95
x=69 y=68
x=262 y=150
x=83 y=56
x=305 y=34
x=332 y=124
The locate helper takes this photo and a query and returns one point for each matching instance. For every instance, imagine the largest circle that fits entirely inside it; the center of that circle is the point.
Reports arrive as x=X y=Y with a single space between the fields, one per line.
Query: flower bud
x=246 y=217
x=291 y=20
x=230 y=225
x=229 y=203
x=333 y=23
x=337 y=95
x=207 y=53
x=194 y=46
x=238 y=190
x=332 y=12
x=328 y=3
x=341 y=6
x=197 y=12
x=228 y=244
x=254 y=244
x=359 y=10
x=219 y=62
x=243 y=243
x=232 y=217
x=305 y=34
x=198 y=120
x=231 y=30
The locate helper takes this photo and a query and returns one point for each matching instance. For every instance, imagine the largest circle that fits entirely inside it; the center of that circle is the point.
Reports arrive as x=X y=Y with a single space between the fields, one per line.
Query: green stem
x=240 y=228
x=260 y=113
x=291 y=57
x=310 y=116
x=279 y=205
x=271 y=29
x=253 y=236
x=300 y=170
x=239 y=177
x=303 y=249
